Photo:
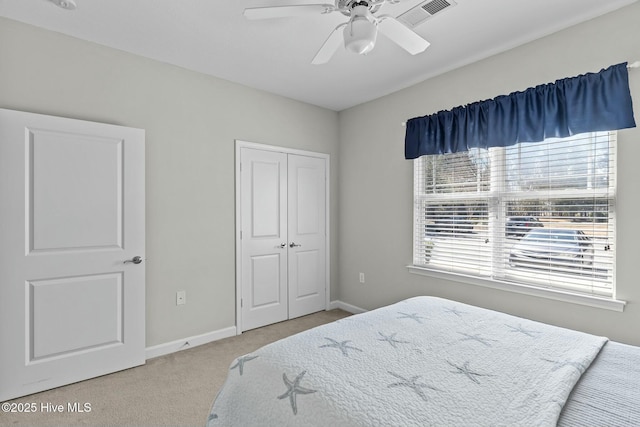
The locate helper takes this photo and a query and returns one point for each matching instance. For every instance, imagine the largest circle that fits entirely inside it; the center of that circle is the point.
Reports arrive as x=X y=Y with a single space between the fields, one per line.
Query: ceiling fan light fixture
x=360 y=35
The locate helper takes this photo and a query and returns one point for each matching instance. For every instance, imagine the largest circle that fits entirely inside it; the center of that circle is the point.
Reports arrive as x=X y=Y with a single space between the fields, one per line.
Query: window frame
x=502 y=196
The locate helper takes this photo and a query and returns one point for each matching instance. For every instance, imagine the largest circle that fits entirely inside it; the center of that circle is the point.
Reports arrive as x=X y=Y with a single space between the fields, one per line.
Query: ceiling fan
x=358 y=33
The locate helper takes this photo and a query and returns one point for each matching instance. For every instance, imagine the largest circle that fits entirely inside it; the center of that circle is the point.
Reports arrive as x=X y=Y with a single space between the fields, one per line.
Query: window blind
x=538 y=214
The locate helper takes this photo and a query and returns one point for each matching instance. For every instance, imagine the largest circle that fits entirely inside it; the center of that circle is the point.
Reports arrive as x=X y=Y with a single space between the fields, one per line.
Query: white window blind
x=540 y=214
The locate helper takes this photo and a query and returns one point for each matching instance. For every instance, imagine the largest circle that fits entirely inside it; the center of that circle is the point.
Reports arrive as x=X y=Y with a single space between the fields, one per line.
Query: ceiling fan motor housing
x=361 y=31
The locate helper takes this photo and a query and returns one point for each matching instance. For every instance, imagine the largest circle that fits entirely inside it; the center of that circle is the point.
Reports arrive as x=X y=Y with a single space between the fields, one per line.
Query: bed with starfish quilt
x=429 y=361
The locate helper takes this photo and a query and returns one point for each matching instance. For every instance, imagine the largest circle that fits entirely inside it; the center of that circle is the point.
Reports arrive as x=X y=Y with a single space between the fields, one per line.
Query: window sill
x=555 y=294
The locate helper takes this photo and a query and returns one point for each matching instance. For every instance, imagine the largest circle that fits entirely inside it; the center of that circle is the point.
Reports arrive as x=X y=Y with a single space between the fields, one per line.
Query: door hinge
x=241 y=302
x=240 y=234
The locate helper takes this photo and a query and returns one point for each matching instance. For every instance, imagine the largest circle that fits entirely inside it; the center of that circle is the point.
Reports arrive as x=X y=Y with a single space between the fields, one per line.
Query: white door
x=282 y=217
x=307 y=224
x=263 y=180
x=72 y=212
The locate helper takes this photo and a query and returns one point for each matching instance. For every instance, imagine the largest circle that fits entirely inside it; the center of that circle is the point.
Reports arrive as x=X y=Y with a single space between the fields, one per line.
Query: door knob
x=134 y=260
x=293 y=245
x=282 y=245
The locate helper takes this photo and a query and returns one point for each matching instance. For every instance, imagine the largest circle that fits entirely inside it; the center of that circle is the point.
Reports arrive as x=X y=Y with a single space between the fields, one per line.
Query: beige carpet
x=172 y=390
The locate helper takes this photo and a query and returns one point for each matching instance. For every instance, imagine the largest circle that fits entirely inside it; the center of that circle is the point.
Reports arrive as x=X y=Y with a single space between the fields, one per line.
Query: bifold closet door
x=283 y=235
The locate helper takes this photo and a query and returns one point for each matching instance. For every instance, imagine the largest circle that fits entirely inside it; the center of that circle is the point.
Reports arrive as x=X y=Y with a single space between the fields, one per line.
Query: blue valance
x=586 y=103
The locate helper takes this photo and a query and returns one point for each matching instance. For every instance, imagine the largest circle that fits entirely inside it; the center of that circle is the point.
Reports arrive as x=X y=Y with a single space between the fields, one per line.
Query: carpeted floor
x=172 y=390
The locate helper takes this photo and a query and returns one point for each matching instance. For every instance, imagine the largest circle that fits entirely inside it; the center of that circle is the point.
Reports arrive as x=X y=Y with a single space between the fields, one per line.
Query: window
x=538 y=214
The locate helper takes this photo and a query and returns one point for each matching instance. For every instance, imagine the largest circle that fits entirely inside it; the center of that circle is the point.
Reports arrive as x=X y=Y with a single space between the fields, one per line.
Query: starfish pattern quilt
x=420 y=362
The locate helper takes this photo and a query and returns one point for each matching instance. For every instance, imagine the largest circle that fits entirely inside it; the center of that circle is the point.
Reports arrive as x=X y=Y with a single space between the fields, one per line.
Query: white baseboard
x=346 y=307
x=231 y=331
x=185 y=343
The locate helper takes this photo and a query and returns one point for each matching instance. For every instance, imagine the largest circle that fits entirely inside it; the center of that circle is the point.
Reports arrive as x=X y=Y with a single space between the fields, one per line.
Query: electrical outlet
x=181 y=297
x=361 y=277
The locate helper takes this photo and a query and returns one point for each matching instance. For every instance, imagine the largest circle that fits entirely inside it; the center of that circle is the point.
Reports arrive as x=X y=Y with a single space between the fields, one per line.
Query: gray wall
x=376 y=182
x=191 y=122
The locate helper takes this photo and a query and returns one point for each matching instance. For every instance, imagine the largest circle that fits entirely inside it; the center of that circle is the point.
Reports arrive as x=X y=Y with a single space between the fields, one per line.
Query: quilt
x=423 y=361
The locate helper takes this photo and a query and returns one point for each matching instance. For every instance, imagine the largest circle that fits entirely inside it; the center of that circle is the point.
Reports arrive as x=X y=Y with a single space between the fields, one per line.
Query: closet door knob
x=282 y=245
x=293 y=245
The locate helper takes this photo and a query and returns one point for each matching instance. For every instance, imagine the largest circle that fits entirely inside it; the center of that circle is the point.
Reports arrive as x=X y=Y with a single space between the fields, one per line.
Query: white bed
x=429 y=361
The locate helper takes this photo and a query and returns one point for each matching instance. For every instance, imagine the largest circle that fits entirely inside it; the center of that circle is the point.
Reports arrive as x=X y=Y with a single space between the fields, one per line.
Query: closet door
x=307 y=237
x=263 y=259
x=282 y=266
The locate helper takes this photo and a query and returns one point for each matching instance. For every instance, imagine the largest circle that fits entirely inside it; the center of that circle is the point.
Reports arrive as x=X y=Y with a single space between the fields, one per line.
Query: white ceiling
x=213 y=37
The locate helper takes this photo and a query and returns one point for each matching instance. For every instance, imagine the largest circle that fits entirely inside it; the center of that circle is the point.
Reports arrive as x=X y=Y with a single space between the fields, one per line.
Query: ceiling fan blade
x=287 y=11
x=330 y=46
x=401 y=35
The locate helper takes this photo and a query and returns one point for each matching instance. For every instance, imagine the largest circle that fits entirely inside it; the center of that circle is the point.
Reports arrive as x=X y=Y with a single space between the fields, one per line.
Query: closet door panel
x=307 y=235
x=263 y=207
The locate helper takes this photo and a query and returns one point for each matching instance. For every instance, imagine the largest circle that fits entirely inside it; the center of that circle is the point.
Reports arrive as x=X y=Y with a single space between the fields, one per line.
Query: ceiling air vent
x=419 y=14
